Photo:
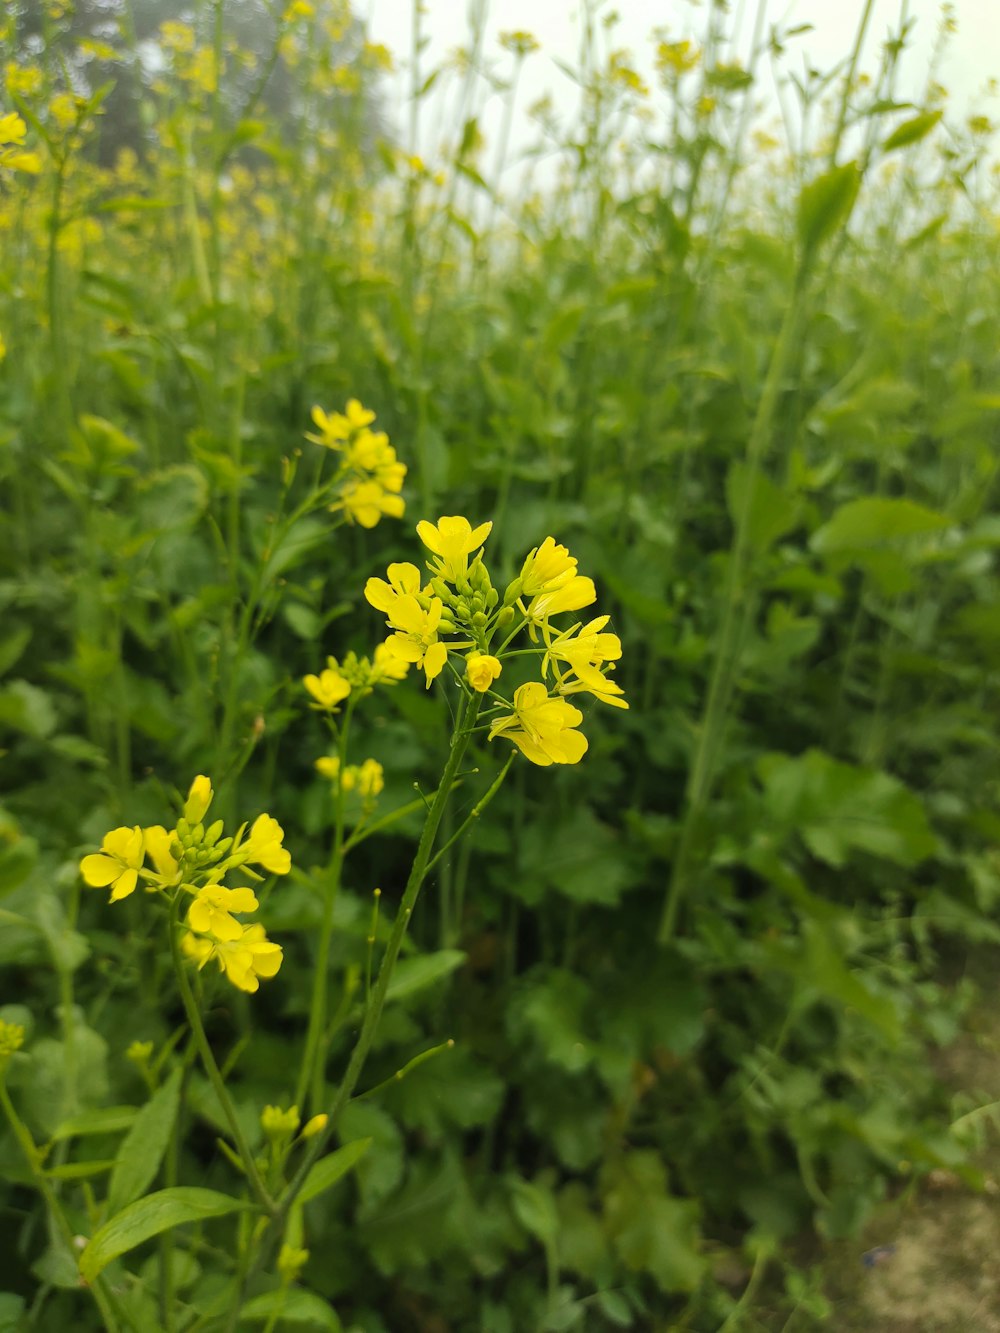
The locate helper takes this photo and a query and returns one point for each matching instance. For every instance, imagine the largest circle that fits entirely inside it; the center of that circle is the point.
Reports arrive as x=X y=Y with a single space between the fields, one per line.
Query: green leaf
x=838 y=809
x=825 y=205
x=149 y=1217
x=11 y=1310
x=535 y=1209
x=772 y=512
x=651 y=1230
x=292 y=1305
x=328 y=1170
x=382 y=1169
x=79 y=1170
x=875 y=522
x=103 y=1120
x=26 y=708
x=912 y=130
x=415 y=974
x=142 y=1151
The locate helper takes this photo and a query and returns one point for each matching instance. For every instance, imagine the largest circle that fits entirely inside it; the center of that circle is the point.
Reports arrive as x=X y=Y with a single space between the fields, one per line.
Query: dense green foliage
x=690 y=981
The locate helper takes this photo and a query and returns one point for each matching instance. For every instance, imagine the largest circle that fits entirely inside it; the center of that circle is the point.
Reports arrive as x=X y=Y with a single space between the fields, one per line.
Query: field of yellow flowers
x=498 y=781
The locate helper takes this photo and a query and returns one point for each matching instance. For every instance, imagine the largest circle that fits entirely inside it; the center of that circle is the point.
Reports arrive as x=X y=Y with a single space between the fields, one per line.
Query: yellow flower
x=264 y=848
x=117 y=864
x=199 y=798
x=158 y=843
x=209 y=914
x=243 y=961
x=291 y=1262
x=277 y=1124
x=11 y=1038
x=547 y=567
x=315 y=1126
x=3 y=348
x=371 y=452
x=337 y=428
x=572 y=595
x=588 y=654
x=386 y=668
x=328 y=765
x=481 y=670
x=452 y=540
x=542 y=727
x=404 y=581
x=365 y=502
x=12 y=132
x=416 y=637
x=329 y=689
x=370 y=779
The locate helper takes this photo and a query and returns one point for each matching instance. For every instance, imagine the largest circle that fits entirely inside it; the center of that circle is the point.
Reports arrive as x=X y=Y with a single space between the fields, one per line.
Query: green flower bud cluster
x=197 y=846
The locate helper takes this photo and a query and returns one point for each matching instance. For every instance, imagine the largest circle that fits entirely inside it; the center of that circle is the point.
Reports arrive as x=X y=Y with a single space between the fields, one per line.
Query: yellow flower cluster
x=357 y=675
x=459 y=611
x=13 y=155
x=367 y=779
x=370 y=475
x=194 y=860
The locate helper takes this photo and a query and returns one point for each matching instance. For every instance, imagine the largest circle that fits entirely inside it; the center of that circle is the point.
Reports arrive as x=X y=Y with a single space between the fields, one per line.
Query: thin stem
x=212 y=1069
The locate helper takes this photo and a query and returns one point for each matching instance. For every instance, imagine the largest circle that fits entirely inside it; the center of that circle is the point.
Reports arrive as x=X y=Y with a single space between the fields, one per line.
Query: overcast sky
x=973 y=53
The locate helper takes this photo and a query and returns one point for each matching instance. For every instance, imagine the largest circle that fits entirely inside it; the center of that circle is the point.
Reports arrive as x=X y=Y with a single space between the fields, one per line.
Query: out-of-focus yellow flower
x=676 y=58
x=329 y=689
x=24 y=80
x=365 y=502
x=519 y=43
x=298 y=9
x=542 y=728
x=211 y=911
x=12 y=155
x=244 y=961
x=315 y=1126
x=139 y=1052
x=176 y=36
x=386 y=668
x=481 y=670
x=336 y=428
x=11 y=1038
x=291 y=1261
x=452 y=540
x=370 y=779
x=3 y=348
x=117 y=864
x=279 y=1125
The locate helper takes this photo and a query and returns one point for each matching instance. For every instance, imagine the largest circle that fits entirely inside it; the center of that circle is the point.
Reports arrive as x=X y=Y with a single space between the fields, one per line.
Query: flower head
x=199 y=798
x=542 y=727
x=365 y=502
x=243 y=961
x=117 y=864
x=159 y=848
x=452 y=540
x=329 y=689
x=547 y=567
x=481 y=670
x=210 y=913
x=263 y=847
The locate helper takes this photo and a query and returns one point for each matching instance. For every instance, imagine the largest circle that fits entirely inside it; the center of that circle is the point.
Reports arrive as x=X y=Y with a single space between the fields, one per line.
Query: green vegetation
x=664 y=1011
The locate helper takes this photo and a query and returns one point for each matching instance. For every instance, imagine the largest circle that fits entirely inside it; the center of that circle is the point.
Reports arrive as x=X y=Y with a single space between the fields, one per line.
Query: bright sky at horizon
x=972 y=54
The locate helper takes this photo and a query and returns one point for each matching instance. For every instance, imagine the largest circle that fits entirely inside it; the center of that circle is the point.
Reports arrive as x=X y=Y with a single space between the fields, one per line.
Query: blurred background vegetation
x=693 y=983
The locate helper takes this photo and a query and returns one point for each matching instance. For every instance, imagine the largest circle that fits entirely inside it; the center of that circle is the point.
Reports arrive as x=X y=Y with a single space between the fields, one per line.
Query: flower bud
x=480 y=619
x=512 y=593
x=213 y=833
x=504 y=616
x=314 y=1126
x=198 y=800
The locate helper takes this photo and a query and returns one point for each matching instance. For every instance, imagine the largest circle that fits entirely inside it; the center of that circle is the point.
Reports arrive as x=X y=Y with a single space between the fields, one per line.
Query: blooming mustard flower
x=210 y=913
x=452 y=540
x=159 y=848
x=547 y=567
x=329 y=689
x=263 y=847
x=117 y=864
x=243 y=961
x=542 y=727
x=364 y=502
x=404 y=581
x=416 y=637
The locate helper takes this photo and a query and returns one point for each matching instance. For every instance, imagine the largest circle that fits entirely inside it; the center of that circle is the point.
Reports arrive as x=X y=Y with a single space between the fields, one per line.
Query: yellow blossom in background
x=315 y=1126
x=243 y=961
x=542 y=727
x=24 y=80
x=291 y=1261
x=452 y=540
x=298 y=9
x=365 y=502
x=481 y=670
x=519 y=43
x=11 y=1039
x=12 y=155
x=336 y=428
x=279 y=1125
x=3 y=348
x=211 y=911
x=370 y=779
x=117 y=864
x=329 y=689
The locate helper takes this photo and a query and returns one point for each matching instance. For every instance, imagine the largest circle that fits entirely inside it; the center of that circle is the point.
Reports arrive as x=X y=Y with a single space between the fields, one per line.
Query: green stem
x=373 y=1014
x=726 y=663
x=211 y=1068
x=30 y=1153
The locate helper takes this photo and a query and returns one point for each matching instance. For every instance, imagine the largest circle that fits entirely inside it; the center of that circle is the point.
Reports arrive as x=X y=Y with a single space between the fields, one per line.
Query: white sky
x=973 y=53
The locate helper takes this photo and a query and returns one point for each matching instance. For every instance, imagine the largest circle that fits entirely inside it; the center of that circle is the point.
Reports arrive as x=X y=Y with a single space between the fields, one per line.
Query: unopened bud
x=504 y=616
x=513 y=592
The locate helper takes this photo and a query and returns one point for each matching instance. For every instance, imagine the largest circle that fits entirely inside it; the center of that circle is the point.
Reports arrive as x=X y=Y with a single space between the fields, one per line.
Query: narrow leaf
x=151 y=1217
x=912 y=130
x=825 y=204
x=413 y=974
x=328 y=1170
x=142 y=1152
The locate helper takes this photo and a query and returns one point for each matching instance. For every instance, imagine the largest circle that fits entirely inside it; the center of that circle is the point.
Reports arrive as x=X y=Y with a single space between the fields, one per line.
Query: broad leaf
x=149 y=1217
x=142 y=1152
